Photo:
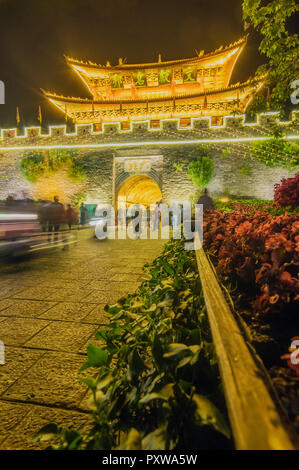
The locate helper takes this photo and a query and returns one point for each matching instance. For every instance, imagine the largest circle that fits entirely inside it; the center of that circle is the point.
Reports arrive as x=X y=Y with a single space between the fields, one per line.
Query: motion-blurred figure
x=70 y=216
x=156 y=214
x=83 y=214
x=56 y=217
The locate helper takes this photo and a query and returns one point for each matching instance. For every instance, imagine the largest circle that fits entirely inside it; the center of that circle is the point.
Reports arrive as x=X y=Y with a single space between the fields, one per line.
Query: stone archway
x=139 y=189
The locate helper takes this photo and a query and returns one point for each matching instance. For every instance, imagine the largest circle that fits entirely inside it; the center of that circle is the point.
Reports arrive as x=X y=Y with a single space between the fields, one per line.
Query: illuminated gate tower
x=184 y=88
x=125 y=94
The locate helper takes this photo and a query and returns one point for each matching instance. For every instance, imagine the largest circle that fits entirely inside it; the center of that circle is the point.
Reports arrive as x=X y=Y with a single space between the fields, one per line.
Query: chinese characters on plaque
x=138 y=165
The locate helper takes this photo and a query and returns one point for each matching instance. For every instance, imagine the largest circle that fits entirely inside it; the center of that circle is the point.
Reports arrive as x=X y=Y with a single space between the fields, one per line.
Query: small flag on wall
x=18 y=116
x=39 y=117
x=205 y=103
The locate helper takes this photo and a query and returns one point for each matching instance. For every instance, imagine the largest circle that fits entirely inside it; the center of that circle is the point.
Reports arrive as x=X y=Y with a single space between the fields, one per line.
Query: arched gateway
x=139 y=189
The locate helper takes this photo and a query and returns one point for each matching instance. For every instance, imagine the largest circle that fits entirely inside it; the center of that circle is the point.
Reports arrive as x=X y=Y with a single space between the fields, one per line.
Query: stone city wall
x=102 y=154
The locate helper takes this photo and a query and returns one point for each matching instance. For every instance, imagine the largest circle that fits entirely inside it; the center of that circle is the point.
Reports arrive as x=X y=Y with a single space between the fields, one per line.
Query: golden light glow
x=224 y=200
x=219 y=103
x=230 y=140
x=139 y=189
x=57 y=184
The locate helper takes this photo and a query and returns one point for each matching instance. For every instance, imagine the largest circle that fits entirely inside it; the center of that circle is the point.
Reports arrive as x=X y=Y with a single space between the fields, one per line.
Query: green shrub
x=201 y=171
x=158 y=382
x=276 y=153
x=34 y=165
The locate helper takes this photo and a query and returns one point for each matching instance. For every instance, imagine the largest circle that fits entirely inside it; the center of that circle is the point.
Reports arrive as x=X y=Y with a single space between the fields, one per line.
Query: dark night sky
x=36 y=33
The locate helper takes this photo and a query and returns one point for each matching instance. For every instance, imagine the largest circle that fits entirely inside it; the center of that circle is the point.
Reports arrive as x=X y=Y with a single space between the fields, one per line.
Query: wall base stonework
x=105 y=173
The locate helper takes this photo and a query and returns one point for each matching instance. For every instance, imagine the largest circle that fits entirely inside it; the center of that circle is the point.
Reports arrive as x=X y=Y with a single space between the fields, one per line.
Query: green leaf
x=76 y=442
x=157 y=351
x=155 y=440
x=96 y=357
x=183 y=362
x=136 y=363
x=106 y=380
x=175 y=349
x=46 y=433
x=167 y=268
x=152 y=396
x=132 y=442
x=209 y=414
x=88 y=381
x=164 y=394
x=102 y=335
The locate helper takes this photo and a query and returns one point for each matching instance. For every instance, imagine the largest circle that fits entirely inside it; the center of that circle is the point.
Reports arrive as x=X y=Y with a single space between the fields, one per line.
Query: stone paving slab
x=25 y=308
x=9 y=292
x=21 y=422
x=52 y=380
x=62 y=336
x=97 y=315
x=33 y=293
x=10 y=416
x=17 y=362
x=51 y=305
x=5 y=303
x=68 y=311
x=16 y=331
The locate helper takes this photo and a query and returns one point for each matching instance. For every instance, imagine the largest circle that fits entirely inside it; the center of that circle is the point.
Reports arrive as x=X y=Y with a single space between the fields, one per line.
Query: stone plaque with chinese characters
x=135 y=166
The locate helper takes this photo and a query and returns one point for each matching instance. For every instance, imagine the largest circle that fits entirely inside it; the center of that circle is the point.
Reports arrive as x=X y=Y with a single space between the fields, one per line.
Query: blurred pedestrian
x=156 y=217
x=43 y=214
x=83 y=214
x=70 y=216
x=56 y=216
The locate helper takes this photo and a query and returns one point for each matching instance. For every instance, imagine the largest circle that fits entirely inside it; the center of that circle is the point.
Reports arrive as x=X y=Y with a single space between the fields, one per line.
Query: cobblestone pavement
x=50 y=307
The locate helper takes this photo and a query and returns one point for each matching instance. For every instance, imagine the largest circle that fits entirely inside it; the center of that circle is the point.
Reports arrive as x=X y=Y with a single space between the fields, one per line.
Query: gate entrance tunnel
x=139 y=189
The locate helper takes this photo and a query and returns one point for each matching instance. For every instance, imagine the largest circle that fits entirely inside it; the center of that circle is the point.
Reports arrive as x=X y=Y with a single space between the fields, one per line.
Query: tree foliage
x=276 y=153
x=278 y=45
x=34 y=165
x=201 y=171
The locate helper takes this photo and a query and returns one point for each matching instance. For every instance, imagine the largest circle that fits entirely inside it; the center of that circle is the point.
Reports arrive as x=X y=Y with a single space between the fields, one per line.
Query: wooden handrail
x=255 y=421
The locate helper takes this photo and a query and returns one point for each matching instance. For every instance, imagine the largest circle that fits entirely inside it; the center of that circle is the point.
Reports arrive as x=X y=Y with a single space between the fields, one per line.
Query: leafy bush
x=77 y=199
x=201 y=171
x=32 y=166
x=158 y=383
x=253 y=205
x=36 y=164
x=287 y=192
x=258 y=253
x=276 y=153
x=246 y=170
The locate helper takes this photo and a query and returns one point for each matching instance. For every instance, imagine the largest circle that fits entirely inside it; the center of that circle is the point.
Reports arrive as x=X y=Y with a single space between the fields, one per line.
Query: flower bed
x=256 y=255
x=158 y=384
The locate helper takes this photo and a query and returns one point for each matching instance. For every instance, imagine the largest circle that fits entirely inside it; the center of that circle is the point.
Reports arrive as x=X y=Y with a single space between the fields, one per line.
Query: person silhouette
x=206 y=201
